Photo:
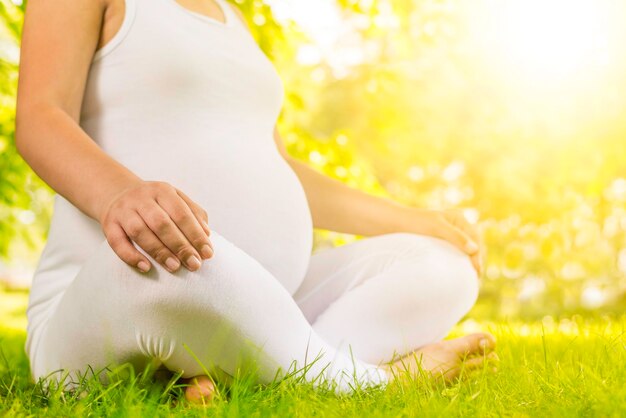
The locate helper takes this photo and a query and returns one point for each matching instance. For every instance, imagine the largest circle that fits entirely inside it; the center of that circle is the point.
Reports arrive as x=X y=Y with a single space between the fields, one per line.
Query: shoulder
x=239 y=13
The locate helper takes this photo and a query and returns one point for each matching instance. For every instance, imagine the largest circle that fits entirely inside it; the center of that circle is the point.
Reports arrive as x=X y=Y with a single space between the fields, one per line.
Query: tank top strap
x=228 y=12
x=230 y=16
x=233 y=19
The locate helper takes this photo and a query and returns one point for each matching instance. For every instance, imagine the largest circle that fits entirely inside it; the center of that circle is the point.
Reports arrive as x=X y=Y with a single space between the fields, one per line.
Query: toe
x=480 y=362
x=477 y=343
x=487 y=342
x=200 y=390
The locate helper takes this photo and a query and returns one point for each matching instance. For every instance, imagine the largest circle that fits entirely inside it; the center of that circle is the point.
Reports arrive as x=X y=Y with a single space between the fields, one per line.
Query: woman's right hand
x=160 y=219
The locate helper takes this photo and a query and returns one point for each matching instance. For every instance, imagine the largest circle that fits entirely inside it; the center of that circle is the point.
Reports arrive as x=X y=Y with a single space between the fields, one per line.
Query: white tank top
x=180 y=97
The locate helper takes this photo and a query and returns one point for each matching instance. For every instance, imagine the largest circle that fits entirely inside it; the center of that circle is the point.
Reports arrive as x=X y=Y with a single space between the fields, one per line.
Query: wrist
x=414 y=220
x=113 y=190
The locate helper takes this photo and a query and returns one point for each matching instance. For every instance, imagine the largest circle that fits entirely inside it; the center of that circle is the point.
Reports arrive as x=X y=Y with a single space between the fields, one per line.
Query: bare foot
x=447 y=359
x=201 y=389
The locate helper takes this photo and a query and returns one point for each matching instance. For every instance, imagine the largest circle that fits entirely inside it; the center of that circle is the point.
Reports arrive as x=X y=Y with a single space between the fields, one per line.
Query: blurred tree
x=399 y=102
x=22 y=217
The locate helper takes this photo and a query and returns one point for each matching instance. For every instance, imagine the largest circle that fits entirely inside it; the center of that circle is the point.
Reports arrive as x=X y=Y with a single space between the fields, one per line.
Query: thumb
x=460 y=239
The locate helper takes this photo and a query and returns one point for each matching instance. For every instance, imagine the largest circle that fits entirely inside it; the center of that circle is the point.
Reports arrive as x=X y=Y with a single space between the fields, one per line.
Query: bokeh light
x=512 y=110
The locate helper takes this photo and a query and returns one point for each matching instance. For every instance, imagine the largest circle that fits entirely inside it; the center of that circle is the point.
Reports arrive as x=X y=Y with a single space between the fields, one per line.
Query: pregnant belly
x=253 y=198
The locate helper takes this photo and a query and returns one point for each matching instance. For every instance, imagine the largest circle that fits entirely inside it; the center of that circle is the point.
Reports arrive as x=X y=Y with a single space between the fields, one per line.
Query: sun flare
x=549 y=41
x=554 y=38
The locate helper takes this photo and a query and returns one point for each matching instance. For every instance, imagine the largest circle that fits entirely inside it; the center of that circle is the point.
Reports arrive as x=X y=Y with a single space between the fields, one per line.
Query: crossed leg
x=387 y=295
x=359 y=305
x=391 y=297
x=228 y=315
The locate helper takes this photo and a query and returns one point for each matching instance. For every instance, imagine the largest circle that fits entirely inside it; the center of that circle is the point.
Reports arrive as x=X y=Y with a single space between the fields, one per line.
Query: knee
x=210 y=293
x=168 y=309
x=158 y=295
x=175 y=295
x=456 y=269
x=448 y=270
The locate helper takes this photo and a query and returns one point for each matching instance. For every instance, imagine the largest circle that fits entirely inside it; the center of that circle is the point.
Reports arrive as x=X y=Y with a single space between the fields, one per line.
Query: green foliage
x=415 y=114
x=554 y=368
x=21 y=213
x=419 y=117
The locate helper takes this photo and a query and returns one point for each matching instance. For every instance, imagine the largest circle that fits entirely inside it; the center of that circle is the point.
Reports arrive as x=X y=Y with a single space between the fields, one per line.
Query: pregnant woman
x=182 y=229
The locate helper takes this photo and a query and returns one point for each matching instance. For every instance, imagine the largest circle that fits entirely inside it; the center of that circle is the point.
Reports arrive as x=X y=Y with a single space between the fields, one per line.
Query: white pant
x=377 y=297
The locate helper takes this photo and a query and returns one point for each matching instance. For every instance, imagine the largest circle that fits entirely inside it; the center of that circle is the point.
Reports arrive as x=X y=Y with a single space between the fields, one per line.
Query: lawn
x=555 y=367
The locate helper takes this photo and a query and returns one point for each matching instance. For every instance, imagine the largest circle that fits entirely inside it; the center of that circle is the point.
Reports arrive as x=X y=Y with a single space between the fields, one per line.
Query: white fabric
x=180 y=97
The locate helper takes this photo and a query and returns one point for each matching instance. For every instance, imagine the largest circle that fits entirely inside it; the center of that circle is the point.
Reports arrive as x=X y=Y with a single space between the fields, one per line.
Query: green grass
x=552 y=368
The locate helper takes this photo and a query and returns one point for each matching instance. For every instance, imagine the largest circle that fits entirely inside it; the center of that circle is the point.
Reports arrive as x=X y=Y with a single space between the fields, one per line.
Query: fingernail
x=172 y=263
x=471 y=247
x=206 y=251
x=483 y=343
x=143 y=266
x=193 y=262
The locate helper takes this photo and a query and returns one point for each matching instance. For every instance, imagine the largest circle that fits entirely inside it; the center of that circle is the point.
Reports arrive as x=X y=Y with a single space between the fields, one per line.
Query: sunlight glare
x=547 y=41
x=553 y=38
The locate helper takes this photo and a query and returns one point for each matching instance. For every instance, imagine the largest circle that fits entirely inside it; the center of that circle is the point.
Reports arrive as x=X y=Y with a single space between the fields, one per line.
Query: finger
x=456 y=218
x=479 y=362
x=476 y=262
x=468 y=228
x=151 y=244
x=200 y=213
x=170 y=235
x=122 y=246
x=185 y=220
x=459 y=238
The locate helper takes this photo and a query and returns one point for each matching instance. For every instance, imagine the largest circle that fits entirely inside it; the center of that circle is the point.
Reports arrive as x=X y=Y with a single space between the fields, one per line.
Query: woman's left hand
x=451 y=226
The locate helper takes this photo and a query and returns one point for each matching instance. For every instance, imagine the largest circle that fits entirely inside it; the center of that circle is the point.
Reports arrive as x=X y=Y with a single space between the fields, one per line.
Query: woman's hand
x=451 y=226
x=162 y=220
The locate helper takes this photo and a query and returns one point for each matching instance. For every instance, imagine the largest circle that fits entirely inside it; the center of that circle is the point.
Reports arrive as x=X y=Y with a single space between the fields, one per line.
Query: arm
x=51 y=83
x=338 y=207
x=59 y=39
x=334 y=205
